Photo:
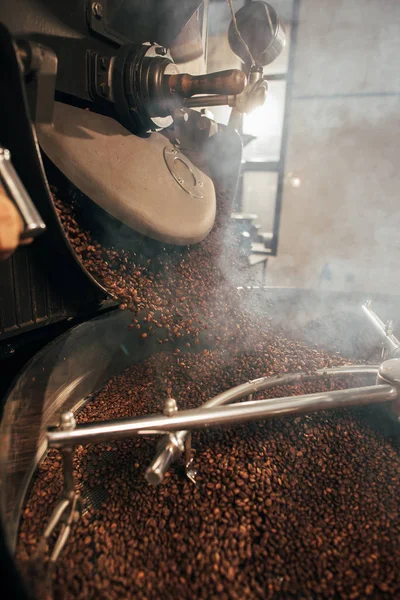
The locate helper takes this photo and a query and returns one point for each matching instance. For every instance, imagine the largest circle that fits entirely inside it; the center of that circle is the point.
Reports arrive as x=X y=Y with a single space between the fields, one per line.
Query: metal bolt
x=67 y=421
x=161 y=51
x=180 y=116
x=104 y=62
x=5 y=154
x=170 y=407
x=104 y=89
x=173 y=151
x=98 y=10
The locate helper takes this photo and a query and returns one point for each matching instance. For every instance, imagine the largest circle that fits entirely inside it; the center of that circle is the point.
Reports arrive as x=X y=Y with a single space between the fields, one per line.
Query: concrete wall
x=340 y=227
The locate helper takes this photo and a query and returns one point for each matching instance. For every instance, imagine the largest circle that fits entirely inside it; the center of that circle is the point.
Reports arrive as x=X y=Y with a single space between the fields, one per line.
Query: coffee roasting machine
x=94 y=99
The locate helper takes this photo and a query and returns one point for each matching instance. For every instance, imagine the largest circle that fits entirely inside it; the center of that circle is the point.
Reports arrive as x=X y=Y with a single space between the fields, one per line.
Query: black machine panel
x=75 y=27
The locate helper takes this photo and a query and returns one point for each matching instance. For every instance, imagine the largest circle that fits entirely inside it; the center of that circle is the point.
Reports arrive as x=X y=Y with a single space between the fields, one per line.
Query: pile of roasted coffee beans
x=300 y=508
x=174 y=292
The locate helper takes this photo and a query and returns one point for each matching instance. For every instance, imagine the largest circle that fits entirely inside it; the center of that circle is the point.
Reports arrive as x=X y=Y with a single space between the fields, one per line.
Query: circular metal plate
x=184 y=172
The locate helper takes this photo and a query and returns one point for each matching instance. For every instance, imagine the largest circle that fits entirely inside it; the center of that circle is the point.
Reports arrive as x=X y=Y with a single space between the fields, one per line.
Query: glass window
x=259 y=197
x=266 y=124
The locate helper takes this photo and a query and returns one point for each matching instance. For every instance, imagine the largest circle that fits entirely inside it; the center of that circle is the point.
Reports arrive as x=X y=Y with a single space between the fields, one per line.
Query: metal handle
x=231 y=81
x=33 y=223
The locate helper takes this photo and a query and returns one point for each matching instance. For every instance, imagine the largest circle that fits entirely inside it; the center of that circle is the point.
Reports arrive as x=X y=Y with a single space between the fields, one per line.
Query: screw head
x=180 y=180
x=170 y=407
x=104 y=62
x=67 y=420
x=98 y=10
x=104 y=89
x=389 y=327
x=161 y=51
x=200 y=183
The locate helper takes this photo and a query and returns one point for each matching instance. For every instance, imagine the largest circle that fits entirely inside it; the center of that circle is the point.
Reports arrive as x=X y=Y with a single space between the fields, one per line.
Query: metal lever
x=33 y=223
x=251 y=97
x=231 y=81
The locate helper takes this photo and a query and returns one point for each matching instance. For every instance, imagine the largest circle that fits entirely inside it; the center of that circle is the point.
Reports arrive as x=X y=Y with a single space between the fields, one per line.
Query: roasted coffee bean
x=178 y=291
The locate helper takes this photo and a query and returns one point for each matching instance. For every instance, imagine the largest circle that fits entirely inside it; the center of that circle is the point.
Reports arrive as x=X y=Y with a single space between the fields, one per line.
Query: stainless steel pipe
x=170 y=451
x=215 y=100
x=222 y=415
x=162 y=462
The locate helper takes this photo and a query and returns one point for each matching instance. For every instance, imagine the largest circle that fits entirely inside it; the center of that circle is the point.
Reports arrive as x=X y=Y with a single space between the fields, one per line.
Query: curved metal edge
x=39 y=388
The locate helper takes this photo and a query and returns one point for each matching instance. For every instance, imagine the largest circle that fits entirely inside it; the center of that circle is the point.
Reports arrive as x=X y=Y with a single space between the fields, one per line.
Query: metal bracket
x=98 y=72
x=40 y=65
x=97 y=19
x=193 y=182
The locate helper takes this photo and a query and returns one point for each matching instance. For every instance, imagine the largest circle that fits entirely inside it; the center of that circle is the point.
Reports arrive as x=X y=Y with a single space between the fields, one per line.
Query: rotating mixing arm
x=233 y=414
x=175 y=426
x=215 y=414
x=171 y=448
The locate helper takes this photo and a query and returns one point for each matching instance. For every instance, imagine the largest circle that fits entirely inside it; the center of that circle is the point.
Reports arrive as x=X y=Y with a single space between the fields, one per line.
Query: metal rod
x=159 y=467
x=223 y=415
x=382 y=328
x=67 y=455
x=264 y=383
x=161 y=464
x=204 y=30
x=215 y=100
x=55 y=518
